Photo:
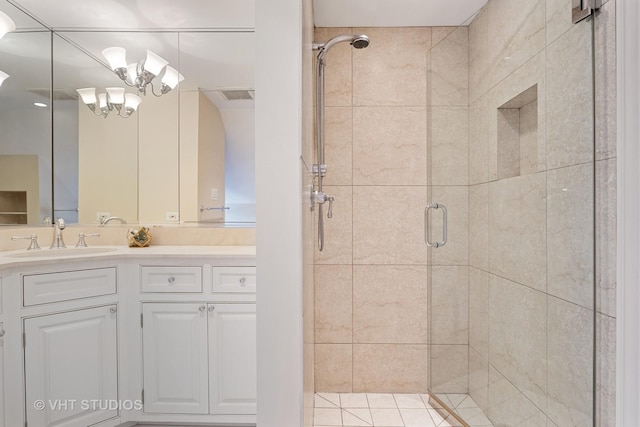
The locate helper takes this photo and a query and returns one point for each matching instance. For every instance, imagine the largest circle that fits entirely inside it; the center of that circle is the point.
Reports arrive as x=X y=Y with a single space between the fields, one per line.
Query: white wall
x=278 y=213
x=239 y=164
x=628 y=295
x=65 y=159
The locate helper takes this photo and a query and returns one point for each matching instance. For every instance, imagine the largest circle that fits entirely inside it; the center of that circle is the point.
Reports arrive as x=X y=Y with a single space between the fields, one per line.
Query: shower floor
x=394 y=410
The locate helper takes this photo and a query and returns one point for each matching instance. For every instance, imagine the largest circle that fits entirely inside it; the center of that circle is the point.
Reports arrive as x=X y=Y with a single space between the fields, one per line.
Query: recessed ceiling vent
x=237 y=95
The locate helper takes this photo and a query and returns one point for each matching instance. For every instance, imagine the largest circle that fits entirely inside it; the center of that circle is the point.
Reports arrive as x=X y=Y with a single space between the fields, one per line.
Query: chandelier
x=114 y=100
x=142 y=73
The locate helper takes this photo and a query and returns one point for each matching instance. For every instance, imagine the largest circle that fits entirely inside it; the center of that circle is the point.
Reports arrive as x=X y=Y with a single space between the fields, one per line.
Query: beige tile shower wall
x=387 y=108
x=531 y=305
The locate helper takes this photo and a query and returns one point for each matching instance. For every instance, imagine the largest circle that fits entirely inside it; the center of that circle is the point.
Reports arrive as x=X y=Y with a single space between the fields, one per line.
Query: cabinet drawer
x=68 y=285
x=234 y=279
x=171 y=279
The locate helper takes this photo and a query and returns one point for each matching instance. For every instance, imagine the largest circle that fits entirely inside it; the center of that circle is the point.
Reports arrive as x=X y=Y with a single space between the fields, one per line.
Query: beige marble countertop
x=24 y=258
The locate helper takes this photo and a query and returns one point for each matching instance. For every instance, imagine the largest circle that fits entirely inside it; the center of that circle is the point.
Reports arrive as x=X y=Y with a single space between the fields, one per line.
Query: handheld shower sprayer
x=320 y=168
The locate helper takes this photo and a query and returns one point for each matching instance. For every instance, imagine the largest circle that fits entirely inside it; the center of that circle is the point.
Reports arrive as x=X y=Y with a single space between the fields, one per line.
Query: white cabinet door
x=70 y=360
x=232 y=358
x=174 y=341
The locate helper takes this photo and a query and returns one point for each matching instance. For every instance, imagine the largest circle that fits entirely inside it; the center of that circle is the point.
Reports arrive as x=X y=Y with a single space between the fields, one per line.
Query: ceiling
x=394 y=13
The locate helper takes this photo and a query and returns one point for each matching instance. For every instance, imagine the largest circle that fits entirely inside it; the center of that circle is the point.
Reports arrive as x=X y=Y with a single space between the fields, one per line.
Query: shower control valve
x=321 y=198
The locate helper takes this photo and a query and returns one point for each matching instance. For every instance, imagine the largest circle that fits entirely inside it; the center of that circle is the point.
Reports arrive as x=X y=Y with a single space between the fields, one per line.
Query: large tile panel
x=449 y=145
x=390 y=368
x=606 y=371
x=450 y=368
x=518 y=337
x=449 y=69
x=479 y=226
x=479 y=55
x=449 y=305
x=390 y=304
x=333 y=304
x=338 y=146
x=388 y=223
x=389 y=146
x=393 y=69
x=479 y=379
x=479 y=311
x=517 y=229
x=479 y=117
x=570 y=234
x=605 y=78
x=569 y=98
x=606 y=236
x=570 y=352
x=333 y=368
x=337 y=230
x=516 y=34
x=338 y=70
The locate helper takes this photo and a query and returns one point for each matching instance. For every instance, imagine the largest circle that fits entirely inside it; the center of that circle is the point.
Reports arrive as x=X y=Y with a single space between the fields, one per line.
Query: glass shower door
x=511 y=154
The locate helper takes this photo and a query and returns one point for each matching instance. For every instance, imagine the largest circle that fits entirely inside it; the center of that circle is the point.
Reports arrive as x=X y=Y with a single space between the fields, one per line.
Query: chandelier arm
x=153 y=90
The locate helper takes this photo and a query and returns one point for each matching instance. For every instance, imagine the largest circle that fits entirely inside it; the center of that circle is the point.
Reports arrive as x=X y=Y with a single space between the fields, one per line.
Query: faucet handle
x=33 y=245
x=60 y=223
x=81 y=242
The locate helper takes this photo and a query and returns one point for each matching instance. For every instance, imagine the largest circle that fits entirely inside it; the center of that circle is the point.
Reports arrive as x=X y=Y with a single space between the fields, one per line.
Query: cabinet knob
x=243 y=280
x=171 y=279
x=2 y=333
x=113 y=309
x=211 y=308
x=202 y=308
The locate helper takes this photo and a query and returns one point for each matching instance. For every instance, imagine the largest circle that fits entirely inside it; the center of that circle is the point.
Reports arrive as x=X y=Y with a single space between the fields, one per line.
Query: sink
x=60 y=253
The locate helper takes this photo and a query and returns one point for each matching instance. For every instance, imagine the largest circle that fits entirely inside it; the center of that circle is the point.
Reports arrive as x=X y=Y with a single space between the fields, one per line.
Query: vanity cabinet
x=199 y=358
x=155 y=338
x=71 y=360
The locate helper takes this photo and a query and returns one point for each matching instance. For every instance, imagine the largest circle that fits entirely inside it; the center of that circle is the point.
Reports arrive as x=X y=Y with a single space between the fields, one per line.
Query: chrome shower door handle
x=427 y=234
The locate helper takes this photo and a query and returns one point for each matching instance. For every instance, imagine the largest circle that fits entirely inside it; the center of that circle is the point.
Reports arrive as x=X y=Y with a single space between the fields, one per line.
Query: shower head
x=358 y=41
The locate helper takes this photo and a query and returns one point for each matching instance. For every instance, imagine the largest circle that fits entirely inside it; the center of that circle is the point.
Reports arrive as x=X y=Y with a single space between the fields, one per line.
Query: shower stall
x=471 y=252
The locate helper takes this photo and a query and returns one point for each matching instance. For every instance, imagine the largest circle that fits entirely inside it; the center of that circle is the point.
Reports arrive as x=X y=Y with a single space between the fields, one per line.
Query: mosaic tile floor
x=393 y=410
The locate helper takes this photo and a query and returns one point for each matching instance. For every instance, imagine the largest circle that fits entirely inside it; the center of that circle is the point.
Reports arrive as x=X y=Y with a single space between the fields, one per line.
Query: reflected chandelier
x=141 y=74
x=115 y=100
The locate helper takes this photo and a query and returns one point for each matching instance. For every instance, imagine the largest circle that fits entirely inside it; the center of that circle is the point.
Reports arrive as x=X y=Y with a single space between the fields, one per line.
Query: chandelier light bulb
x=132 y=73
x=6 y=24
x=116 y=56
x=102 y=101
x=88 y=95
x=154 y=63
x=116 y=95
x=3 y=76
x=172 y=77
x=131 y=102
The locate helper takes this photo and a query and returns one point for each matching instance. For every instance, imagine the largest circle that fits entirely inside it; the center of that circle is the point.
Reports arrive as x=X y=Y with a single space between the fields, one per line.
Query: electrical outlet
x=214 y=194
x=171 y=216
x=101 y=216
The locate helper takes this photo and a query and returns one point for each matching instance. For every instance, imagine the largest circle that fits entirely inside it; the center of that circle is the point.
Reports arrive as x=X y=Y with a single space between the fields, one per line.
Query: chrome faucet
x=105 y=221
x=58 y=241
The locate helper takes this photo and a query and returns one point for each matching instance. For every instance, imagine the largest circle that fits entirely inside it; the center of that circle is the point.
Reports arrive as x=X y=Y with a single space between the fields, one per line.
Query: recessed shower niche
x=518 y=135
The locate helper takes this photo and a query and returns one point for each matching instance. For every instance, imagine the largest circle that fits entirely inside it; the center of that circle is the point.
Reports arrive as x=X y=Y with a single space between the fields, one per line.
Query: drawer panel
x=171 y=279
x=68 y=285
x=234 y=279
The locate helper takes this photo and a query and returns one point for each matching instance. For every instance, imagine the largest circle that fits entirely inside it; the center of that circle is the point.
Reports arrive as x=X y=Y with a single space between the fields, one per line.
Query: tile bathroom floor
x=393 y=410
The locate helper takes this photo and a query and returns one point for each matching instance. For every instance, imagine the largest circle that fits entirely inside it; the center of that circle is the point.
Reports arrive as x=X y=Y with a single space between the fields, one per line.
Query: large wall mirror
x=185 y=155
x=25 y=122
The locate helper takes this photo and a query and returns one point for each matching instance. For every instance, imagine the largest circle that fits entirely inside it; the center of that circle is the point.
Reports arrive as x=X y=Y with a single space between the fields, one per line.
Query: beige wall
x=158 y=149
x=107 y=166
x=211 y=147
x=202 y=148
x=20 y=173
x=371 y=317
